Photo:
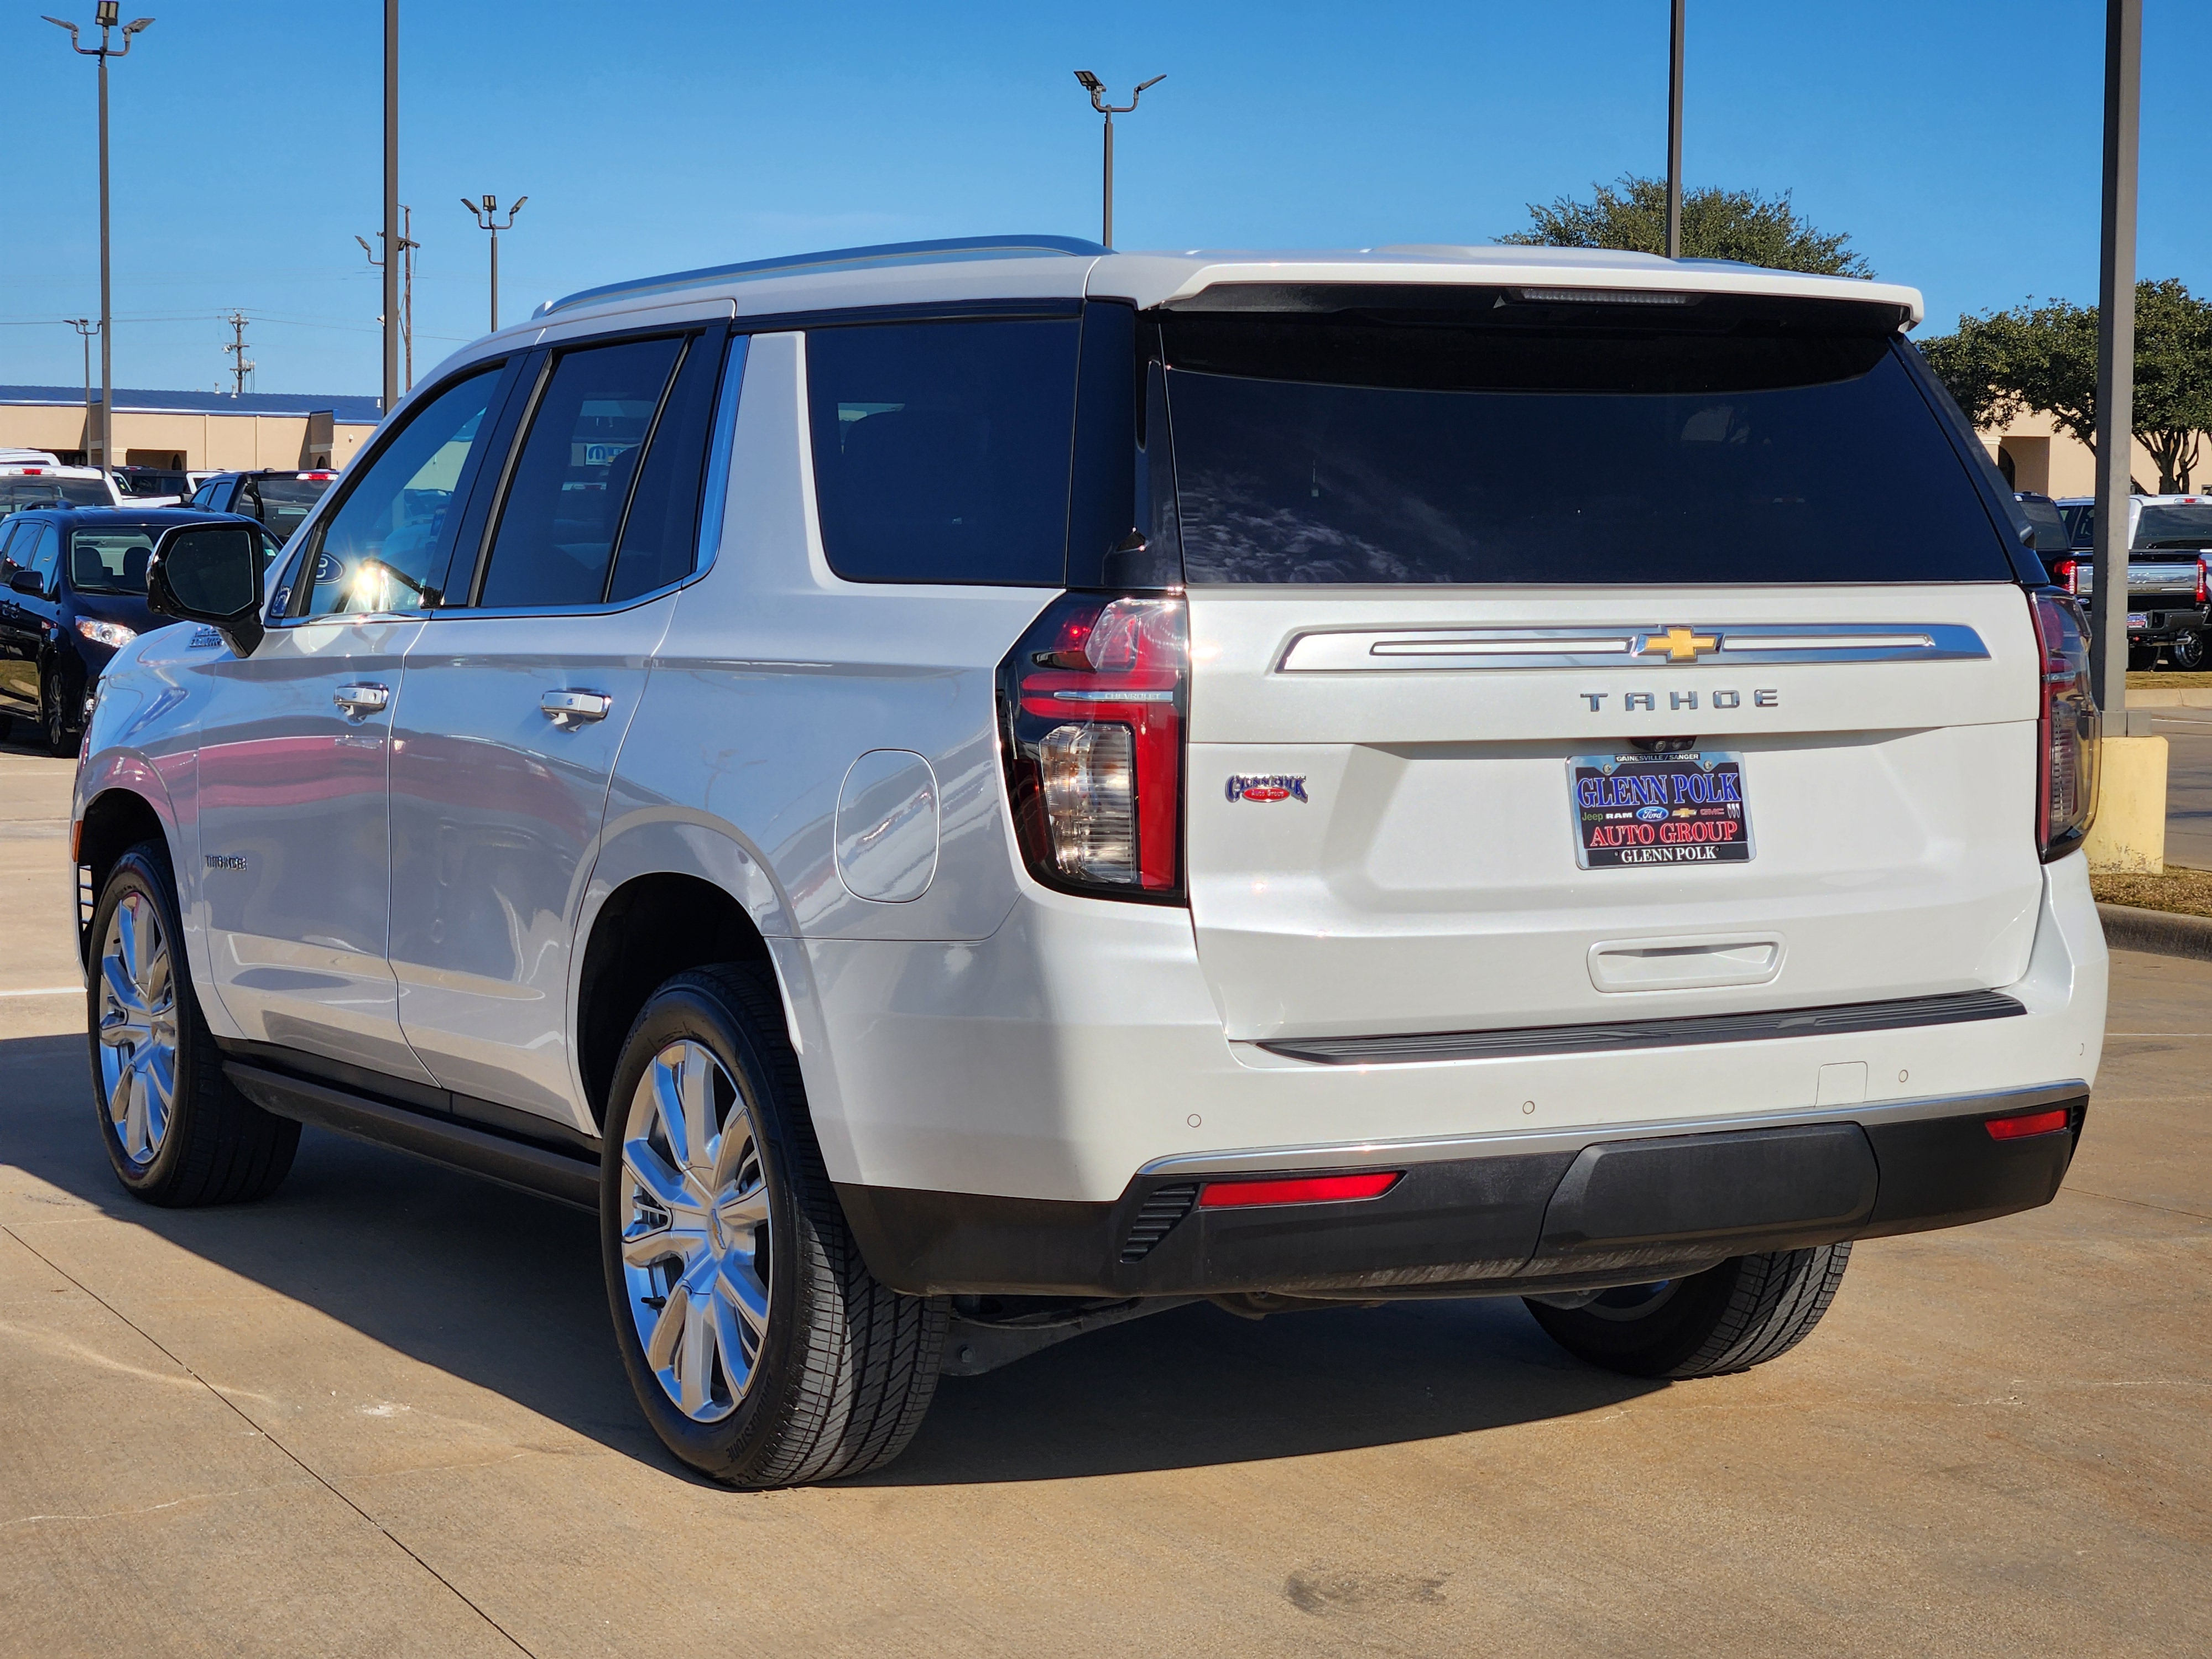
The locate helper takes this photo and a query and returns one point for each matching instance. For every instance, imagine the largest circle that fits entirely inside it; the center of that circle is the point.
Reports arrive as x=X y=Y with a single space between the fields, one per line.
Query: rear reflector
x=1315 y=1189
x=2033 y=1123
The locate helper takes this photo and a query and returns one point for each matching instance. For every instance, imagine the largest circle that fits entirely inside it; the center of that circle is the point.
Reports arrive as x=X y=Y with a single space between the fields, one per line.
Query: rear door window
x=578 y=470
x=941 y=449
x=1358 y=450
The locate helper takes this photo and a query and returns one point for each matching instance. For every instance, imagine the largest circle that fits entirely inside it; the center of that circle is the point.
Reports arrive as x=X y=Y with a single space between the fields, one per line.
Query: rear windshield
x=2042 y=515
x=1352 y=449
x=50 y=492
x=285 y=502
x=110 y=560
x=2183 y=527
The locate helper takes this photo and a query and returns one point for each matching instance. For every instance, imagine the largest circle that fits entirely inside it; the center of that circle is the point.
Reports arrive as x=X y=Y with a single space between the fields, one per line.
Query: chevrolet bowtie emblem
x=1678 y=644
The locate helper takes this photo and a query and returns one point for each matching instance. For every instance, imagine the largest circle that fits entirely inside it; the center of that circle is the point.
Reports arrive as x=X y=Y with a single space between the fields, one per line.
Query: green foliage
x=2005 y=362
x=1717 y=224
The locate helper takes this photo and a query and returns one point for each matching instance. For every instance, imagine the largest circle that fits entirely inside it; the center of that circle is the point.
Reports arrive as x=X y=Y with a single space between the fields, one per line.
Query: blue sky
x=1957 y=143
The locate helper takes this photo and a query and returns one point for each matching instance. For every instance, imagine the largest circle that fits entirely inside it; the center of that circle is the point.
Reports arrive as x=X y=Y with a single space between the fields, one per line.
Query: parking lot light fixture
x=1091 y=84
x=105 y=16
x=487 y=218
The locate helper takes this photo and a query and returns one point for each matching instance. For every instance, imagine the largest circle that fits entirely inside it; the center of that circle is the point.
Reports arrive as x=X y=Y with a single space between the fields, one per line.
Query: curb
x=2162 y=932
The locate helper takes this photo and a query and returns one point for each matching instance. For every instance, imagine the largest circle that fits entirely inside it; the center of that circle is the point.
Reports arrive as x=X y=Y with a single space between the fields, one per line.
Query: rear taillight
x=1092 y=706
x=2204 y=586
x=2068 y=728
x=2067 y=573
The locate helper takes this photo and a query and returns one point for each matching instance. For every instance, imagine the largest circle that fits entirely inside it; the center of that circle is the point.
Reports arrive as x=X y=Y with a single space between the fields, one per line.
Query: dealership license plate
x=1659 y=808
x=2139 y=619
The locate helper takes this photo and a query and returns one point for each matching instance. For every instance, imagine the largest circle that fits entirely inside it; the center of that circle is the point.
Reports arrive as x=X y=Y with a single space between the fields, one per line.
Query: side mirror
x=211 y=574
x=26 y=581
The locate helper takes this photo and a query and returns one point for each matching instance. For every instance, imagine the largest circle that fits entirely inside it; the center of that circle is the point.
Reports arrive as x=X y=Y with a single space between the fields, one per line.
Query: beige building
x=203 y=431
x=2036 y=453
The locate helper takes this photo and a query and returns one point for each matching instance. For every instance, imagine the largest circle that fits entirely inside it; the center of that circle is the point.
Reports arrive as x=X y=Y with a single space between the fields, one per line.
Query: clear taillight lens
x=2067 y=727
x=1092 y=702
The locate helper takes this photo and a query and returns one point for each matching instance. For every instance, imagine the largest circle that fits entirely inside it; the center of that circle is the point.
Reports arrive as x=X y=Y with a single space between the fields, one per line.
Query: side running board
x=564 y=1176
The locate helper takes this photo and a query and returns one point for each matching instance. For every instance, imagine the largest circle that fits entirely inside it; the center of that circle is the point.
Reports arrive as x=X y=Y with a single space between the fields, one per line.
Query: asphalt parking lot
x=380 y=1414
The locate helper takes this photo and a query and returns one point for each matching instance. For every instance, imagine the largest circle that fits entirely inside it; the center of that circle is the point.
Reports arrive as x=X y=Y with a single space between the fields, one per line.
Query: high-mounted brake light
x=2067 y=727
x=1307 y=1189
x=1091 y=704
x=2028 y=1123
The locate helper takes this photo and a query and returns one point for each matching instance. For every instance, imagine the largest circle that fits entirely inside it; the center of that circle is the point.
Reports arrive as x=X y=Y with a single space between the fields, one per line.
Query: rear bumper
x=1515 y=1215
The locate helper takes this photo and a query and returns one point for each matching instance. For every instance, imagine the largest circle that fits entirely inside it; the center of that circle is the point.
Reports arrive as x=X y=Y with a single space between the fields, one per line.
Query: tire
x=2186 y=652
x=53 y=716
x=838 y=1370
x=1729 y=1318
x=207 y=1144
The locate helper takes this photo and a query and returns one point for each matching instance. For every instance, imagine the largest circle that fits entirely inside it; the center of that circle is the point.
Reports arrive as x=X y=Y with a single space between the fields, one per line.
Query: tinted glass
x=2080 y=524
x=54 y=492
x=282 y=503
x=660 y=537
x=2183 y=527
x=205 y=494
x=110 y=560
x=46 y=556
x=572 y=482
x=385 y=541
x=941 y=450
x=2050 y=529
x=1342 y=451
x=9 y=533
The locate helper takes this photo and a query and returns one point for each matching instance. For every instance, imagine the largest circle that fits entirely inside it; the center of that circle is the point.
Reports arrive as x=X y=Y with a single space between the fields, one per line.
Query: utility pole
x=407 y=246
x=85 y=327
x=1096 y=88
x=2116 y=362
x=104 y=18
x=241 y=366
x=487 y=219
x=1675 y=135
x=392 y=230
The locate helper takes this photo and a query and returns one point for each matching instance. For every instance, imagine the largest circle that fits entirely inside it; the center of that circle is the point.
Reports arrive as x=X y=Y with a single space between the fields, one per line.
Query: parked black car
x=72 y=594
x=279 y=500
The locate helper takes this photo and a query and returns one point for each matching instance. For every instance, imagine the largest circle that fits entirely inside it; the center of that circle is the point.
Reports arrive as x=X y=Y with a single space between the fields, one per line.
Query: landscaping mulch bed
x=2144 y=680
x=2183 y=892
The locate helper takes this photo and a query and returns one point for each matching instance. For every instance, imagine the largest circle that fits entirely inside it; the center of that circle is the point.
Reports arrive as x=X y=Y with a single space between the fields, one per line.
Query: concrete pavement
x=380 y=1414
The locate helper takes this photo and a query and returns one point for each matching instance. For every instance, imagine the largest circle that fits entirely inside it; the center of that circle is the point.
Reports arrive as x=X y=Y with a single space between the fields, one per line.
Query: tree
x=1717 y=224
x=2004 y=363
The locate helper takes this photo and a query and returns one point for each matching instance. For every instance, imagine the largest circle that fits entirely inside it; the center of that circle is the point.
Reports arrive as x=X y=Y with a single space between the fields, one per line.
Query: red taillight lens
x=2067 y=573
x=1310 y=1189
x=2029 y=1123
x=1091 y=702
x=2068 y=728
x=2204 y=581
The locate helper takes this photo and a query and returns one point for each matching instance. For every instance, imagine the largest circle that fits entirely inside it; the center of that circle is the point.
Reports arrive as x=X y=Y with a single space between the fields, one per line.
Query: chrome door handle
x=570 y=709
x=357 y=700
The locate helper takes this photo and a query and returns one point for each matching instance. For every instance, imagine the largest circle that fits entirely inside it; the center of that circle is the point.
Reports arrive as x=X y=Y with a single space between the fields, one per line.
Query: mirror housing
x=24 y=579
x=211 y=574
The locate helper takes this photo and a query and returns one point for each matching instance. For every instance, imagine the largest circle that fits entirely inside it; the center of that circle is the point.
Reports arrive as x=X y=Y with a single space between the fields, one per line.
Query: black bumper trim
x=1898 y=1014
x=1617 y=1210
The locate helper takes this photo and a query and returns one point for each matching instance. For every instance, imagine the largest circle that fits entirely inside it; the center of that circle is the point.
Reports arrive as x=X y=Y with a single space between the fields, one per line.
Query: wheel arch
x=117 y=818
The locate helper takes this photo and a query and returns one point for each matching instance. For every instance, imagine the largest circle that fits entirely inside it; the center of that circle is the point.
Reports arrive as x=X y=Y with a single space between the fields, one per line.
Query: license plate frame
x=1622 y=809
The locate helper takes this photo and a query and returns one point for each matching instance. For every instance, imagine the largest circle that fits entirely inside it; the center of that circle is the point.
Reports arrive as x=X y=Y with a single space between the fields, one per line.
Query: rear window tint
x=2050 y=529
x=941 y=450
x=2182 y=526
x=1348 y=450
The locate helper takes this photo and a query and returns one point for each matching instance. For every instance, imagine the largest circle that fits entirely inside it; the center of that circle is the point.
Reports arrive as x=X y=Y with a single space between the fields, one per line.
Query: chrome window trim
x=1361 y=1154
x=1428 y=650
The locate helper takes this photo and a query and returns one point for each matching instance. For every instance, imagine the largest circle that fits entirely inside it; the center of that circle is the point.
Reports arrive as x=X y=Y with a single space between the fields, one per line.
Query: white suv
x=956 y=793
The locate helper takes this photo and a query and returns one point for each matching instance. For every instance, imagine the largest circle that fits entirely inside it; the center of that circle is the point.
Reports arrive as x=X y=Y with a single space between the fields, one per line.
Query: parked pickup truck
x=2170 y=551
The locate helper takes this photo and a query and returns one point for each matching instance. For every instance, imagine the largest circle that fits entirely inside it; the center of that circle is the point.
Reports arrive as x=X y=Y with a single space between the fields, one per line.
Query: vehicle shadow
x=503 y=1290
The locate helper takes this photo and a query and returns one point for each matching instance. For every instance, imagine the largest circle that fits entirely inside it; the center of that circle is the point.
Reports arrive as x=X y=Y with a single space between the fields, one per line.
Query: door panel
x=294 y=842
x=496 y=805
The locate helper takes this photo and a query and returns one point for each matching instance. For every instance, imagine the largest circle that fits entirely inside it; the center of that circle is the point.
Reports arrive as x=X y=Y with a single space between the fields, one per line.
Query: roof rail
x=842 y=259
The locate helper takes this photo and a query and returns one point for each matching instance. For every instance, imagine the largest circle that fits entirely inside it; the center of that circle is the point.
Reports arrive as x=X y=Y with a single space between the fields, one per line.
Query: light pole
x=1096 y=88
x=487 y=218
x=2115 y=363
x=103 y=16
x=392 y=230
x=407 y=246
x=1675 y=135
x=87 y=328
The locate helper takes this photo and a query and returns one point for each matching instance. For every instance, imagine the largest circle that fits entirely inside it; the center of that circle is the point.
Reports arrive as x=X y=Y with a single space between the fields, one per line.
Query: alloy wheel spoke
x=730 y=1337
x=120 y=995
x=135 y=1138
x=643 y=1163
x=741 y=1211
x=668 y=1330
x=695 y=1084
x=740 y=1286
x=119 y=1090
x=695 y=1371
x=642 y=1250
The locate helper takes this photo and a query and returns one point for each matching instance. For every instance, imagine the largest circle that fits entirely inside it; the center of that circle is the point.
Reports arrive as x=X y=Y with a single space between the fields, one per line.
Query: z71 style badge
x=1243 y=787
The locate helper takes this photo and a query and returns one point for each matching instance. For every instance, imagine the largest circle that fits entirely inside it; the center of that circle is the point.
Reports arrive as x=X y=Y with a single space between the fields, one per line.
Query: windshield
x=1340 y=449
x=110 y=560
x=2183 y=527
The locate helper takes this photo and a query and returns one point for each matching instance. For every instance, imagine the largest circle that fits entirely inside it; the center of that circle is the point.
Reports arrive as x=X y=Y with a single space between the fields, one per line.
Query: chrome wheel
x=137 y=1028
x=695 y=1239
